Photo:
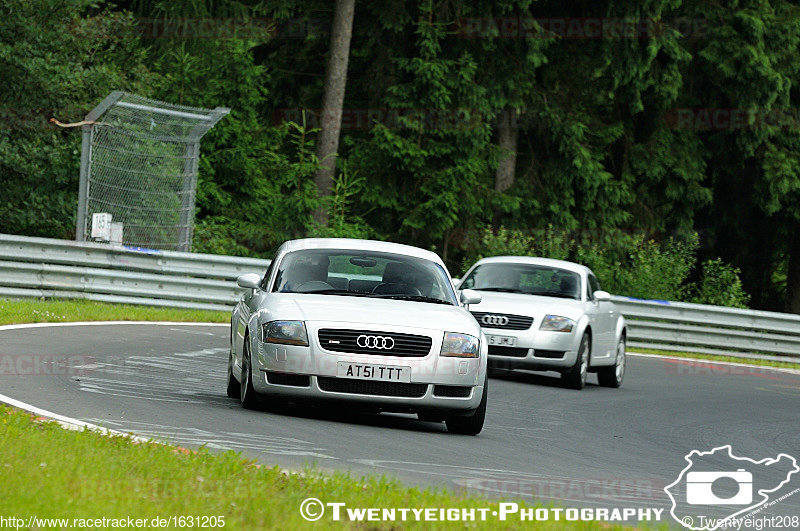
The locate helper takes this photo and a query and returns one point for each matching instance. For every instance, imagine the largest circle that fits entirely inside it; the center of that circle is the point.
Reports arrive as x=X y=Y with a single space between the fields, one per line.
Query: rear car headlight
x=286 y=333
x=460 y=345
x=557 y=323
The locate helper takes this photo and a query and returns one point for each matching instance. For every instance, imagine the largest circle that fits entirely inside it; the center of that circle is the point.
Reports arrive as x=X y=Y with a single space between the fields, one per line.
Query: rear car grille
x=378 y=343
x=452 y=391
x=283 y=378
x=507 y=351
x=367 y=387
x=503 y=321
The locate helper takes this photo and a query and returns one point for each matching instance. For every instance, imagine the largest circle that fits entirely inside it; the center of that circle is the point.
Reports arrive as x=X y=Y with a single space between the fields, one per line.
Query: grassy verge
x=712 y=357
x=38 y=311
x=50 y=472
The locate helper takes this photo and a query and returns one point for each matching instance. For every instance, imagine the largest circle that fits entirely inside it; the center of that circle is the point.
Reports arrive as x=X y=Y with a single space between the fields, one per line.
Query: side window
x=265 y=280
x=594 y=285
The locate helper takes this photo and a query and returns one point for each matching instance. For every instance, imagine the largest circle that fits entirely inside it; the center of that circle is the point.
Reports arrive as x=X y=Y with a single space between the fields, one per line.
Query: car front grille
x=494 y=350
x=452 y=391
x=377 y=343
x=503 y=321
x=372 y=388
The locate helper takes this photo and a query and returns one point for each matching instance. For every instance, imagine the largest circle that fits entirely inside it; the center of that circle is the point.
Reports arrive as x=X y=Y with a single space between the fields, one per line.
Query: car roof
x=535 y=260
x=360 y=245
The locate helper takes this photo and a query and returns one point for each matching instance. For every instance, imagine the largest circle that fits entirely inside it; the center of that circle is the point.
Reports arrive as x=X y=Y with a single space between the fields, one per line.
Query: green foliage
x=58 y=59
x=720 y=285
x=600 y=158
x=342 y=223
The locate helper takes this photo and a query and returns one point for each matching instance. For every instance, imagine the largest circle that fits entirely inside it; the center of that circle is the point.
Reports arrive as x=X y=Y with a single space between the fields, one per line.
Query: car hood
x=369 y=312
x=536 y=306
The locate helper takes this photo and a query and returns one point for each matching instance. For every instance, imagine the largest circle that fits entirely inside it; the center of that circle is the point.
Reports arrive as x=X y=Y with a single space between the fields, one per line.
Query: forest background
x=656 y=141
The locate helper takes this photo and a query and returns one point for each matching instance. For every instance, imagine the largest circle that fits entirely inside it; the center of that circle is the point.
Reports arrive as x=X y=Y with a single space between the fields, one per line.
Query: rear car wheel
x=247 y=395
x=612 y=376
x=233 y=388
x=575 y=377
x=472 y=424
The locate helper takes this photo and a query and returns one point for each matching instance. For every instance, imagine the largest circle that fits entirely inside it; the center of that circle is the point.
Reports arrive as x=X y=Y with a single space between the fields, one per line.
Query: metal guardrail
x=705 y=329
x=41 y=267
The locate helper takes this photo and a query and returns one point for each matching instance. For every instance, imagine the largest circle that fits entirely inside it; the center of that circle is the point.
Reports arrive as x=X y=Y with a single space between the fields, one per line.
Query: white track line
x=75 y=424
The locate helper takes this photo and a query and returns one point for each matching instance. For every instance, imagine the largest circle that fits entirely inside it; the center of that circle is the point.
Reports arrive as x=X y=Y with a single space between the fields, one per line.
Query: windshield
x=524 y=278
x=363 y=274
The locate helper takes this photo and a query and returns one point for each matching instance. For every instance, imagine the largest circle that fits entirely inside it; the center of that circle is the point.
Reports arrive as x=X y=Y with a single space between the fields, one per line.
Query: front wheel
x=472 y=424
x=612 y=376
x=575 y=377
x=247 y=396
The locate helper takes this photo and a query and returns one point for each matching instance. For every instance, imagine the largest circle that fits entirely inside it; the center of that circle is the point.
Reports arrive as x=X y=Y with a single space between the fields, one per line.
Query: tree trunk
x=793 y=274
x=507 y=139
x=333 y=100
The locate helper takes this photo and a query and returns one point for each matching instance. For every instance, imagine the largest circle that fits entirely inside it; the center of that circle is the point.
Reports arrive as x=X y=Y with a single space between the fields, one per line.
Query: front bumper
x=310 y=373
x=532 y=349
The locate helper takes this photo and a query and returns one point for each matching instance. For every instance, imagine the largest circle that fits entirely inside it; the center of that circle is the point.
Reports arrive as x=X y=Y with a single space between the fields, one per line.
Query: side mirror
x=249 y=281
x=469 y=296
x=601 y=295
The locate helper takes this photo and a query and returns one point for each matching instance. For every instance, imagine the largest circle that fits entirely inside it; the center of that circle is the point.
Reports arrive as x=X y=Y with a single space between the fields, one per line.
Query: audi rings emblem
x=497 y=320
x=375 y=342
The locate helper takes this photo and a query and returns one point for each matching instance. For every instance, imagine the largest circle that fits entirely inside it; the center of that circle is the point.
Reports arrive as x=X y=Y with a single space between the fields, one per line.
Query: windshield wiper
x=334 y=292
x=504 y=290
x=421 y=298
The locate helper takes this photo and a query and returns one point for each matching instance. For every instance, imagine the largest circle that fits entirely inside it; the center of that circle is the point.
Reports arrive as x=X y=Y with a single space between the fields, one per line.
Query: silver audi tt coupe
x=374 y=324
x=548 y=315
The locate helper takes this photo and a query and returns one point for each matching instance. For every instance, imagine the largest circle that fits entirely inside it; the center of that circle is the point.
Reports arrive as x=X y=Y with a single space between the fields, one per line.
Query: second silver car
x=548 y=315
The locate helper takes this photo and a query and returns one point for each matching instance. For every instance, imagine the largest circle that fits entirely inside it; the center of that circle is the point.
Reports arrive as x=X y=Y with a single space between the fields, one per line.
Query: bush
x=720 y=285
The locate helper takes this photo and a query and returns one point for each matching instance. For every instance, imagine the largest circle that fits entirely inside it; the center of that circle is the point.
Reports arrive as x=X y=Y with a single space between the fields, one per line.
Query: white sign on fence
x=101 y=226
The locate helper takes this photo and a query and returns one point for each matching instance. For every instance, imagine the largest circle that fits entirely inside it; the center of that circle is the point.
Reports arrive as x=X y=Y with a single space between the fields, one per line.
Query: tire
x=247 y=395
x=233 y=388
x=612 y=376
x=575 y=377
x=472 y=424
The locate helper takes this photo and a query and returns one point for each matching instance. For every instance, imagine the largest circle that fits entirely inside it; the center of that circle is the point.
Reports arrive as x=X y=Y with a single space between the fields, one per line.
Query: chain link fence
x=139 y=163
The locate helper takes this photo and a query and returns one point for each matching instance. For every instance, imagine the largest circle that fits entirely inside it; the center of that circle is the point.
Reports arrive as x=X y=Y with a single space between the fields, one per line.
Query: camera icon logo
x=699 y=488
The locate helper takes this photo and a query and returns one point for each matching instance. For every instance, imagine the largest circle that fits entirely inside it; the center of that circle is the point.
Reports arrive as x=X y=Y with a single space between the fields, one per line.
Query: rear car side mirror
x=469 y=296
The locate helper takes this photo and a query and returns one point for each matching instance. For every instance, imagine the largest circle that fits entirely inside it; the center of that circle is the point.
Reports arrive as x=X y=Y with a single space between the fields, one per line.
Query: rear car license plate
x=379 y=373
x=502 y=341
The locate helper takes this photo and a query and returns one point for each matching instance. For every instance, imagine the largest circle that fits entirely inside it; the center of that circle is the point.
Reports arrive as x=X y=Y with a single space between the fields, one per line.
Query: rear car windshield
x=525 y=278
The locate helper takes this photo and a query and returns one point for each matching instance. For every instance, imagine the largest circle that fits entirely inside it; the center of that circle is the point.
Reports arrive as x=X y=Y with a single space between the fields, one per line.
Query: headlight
x=460 y=345
x=286 y=332
x=557 y=323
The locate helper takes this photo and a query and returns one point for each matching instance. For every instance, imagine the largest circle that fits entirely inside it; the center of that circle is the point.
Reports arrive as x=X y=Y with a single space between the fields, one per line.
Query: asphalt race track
x=598 y=447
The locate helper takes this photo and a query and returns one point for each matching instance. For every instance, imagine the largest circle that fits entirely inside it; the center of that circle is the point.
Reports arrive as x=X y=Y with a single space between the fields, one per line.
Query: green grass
x=713 y=357
x=51 y=472
x=38 y=311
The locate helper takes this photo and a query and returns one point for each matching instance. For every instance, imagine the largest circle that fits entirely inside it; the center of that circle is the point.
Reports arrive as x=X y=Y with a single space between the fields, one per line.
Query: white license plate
x=504 y=341
x=366 y=371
